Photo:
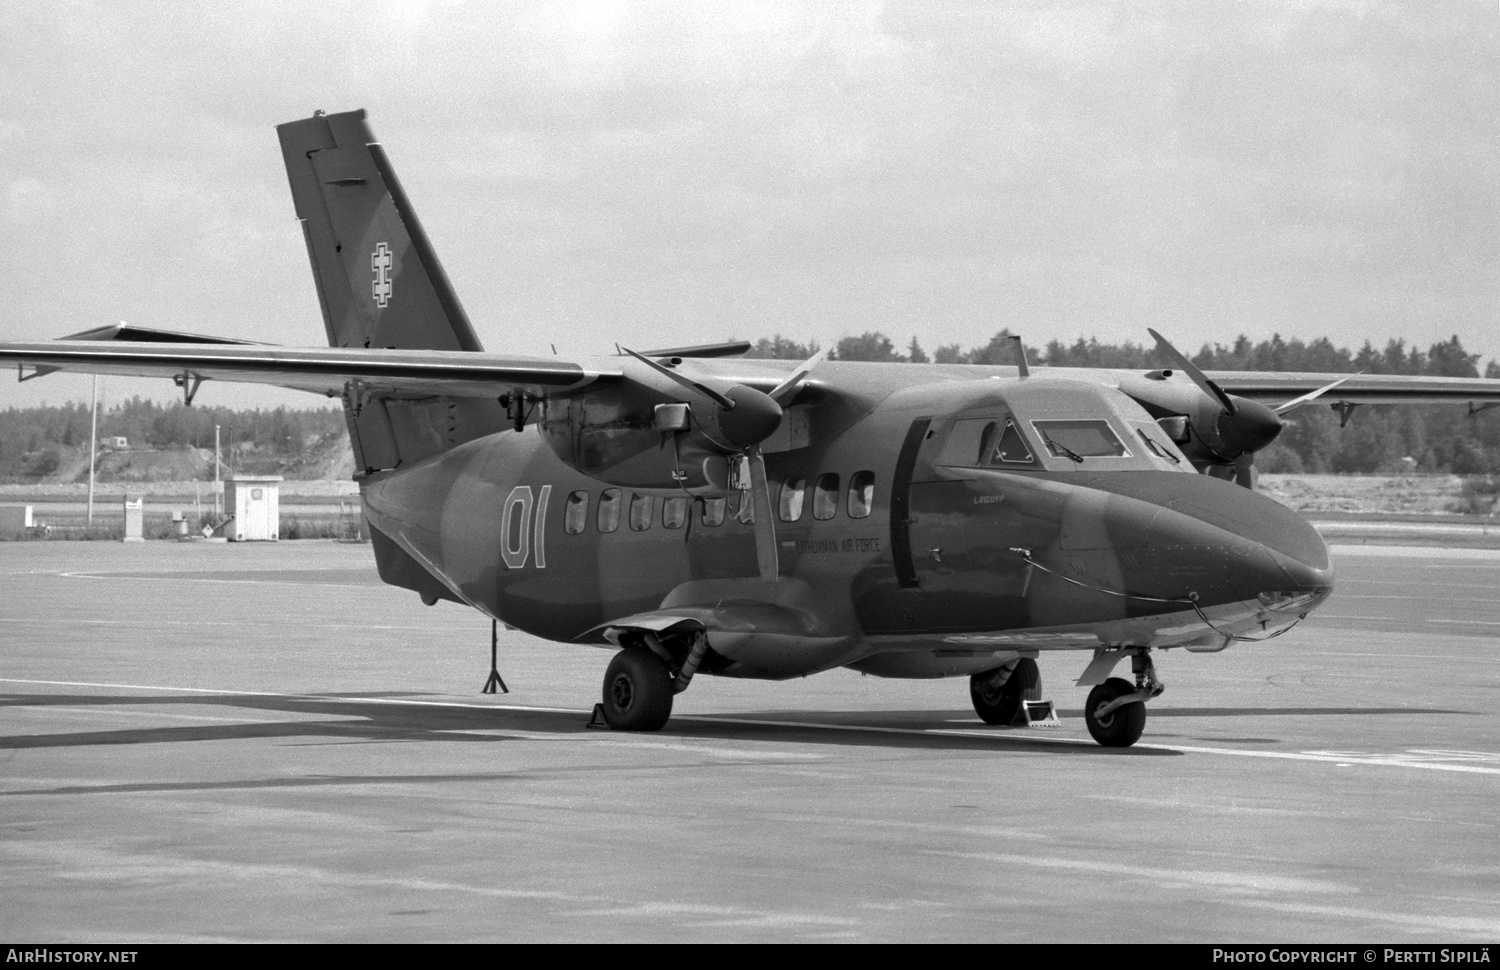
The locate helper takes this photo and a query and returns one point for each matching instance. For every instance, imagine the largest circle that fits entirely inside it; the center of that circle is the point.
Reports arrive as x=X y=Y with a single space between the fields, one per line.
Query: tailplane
x=379 y=281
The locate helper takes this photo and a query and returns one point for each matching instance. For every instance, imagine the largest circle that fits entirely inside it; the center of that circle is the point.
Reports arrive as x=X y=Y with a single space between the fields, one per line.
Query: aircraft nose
x=1179 y=535
x=1273 y=555
x=1307 y=585
x=1290 y=570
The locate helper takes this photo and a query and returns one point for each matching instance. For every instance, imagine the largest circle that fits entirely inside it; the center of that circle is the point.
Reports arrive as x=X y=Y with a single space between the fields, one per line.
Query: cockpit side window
x=985 y=442
x=967 y=442
x=1011 y=449
x=1158 y=449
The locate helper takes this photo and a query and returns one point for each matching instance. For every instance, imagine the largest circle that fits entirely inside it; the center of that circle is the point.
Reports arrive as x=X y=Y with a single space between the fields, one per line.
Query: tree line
x=35 y=442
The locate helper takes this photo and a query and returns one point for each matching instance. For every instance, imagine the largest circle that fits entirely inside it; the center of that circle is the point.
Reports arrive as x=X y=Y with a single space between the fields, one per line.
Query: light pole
x=93 y=443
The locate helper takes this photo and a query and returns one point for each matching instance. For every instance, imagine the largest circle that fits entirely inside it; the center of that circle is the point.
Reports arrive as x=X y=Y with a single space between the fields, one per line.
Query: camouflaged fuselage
x=956 y=565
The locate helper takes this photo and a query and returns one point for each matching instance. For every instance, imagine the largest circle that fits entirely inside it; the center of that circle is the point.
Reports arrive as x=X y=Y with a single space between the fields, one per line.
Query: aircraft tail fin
x=379 y=281
x=380 y=286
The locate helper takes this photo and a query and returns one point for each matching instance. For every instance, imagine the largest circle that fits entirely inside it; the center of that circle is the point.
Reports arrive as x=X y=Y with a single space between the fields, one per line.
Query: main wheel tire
x=637 y=691
x=1000 y=705
x=1121 y=727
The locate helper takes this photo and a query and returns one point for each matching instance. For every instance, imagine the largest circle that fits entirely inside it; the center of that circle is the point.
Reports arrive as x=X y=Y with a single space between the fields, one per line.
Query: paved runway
x=261 y=742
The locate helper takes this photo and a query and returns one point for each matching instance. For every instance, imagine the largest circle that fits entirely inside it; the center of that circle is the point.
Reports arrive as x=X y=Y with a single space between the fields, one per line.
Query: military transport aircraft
x=757 y=518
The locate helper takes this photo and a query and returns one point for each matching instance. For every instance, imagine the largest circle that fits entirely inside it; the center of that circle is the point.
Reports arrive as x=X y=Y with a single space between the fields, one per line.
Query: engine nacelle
x=647 y=432
x=1214 y=436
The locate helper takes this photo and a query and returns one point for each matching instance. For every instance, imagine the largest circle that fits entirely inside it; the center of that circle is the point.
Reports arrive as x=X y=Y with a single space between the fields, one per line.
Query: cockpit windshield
x=1058 y=426
x=1078 y=440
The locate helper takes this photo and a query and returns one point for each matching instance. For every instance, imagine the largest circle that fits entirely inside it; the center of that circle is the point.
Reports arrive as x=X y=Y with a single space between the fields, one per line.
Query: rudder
x=379 y=282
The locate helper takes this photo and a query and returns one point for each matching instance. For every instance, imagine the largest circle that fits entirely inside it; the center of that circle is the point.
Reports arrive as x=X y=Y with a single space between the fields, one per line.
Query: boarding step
x=1038 y=714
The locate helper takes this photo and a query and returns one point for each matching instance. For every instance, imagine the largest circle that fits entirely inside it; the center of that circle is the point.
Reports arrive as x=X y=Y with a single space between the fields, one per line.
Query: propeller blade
x=784 y=391
x=1309 y=397
x=765 y=528
x=685 y=381
x=1191 y=369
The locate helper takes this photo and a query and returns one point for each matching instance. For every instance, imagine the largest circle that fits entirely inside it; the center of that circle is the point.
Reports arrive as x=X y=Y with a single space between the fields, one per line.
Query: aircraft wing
x=1277 y=388
x=318 y=370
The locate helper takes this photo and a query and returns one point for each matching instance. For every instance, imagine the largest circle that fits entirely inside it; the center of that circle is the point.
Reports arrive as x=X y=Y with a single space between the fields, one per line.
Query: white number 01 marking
x=517 y=528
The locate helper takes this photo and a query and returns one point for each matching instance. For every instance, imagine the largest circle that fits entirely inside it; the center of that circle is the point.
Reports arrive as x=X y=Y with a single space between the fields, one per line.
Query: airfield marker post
x=495 y=681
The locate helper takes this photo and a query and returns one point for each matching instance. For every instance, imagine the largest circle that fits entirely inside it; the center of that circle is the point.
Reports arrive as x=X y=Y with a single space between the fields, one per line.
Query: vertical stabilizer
x=381 y=286
x=378 y=279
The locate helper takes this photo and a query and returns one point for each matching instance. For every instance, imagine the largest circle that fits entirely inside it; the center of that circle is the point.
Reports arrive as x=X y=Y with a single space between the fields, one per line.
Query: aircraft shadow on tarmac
x=383 y=719
x=1281 y=711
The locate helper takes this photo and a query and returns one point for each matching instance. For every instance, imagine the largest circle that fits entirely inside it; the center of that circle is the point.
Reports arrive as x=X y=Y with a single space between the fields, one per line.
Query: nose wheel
x=1124 y=716
x=1115 y=712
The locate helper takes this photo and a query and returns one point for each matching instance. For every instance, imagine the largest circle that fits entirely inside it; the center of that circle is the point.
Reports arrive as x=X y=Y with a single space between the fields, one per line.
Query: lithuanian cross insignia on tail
x=380 y=263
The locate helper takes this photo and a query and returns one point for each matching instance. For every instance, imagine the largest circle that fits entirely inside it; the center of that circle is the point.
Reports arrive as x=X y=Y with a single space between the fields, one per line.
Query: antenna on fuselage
x=1021 y=364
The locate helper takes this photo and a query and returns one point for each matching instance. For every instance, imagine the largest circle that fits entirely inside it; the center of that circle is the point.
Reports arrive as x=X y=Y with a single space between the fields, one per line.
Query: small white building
x=15 y=520
x=135 y=518
x=255 y=503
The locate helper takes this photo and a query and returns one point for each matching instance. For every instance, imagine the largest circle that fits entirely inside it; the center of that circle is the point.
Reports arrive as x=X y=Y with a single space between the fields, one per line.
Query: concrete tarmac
x=262 y=742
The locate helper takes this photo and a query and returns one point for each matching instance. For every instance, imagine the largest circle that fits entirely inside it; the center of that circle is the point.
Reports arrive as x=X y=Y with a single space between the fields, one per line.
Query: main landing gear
x=1116 y=711
x=640 y=682
x=998 y=694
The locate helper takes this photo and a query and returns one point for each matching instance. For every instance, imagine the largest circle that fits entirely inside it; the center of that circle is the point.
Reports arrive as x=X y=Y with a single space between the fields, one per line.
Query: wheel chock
x=597 y=721
x=1040 y=714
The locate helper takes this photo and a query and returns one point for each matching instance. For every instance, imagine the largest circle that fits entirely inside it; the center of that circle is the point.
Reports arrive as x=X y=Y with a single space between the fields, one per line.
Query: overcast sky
x=660 y=173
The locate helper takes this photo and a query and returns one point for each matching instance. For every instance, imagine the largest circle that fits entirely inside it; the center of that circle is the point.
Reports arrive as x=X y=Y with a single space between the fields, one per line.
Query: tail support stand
x=496 y=682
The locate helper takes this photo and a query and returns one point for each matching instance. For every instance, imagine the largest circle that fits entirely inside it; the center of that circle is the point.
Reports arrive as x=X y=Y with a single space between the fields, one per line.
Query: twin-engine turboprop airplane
x=758 y=518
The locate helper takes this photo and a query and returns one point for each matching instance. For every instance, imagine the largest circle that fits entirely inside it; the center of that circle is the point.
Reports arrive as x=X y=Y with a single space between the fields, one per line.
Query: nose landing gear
x=1115 y=711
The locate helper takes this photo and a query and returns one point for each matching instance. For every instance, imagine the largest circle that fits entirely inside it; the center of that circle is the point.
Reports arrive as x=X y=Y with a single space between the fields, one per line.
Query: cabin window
x=641 y=509
x=1079 y=439
x=861 y=494
x=711 y=512
x=674 y=512
x=608 y=518
x=826 y=496
x=576 y=513
x=792 y=494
